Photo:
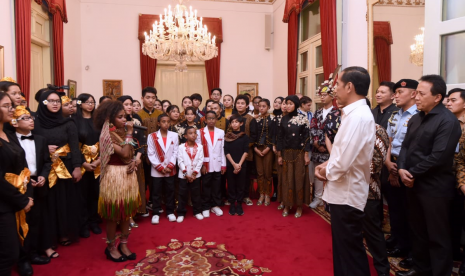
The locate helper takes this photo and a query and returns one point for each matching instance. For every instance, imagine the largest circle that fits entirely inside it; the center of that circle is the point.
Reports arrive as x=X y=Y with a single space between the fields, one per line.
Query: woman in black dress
x=11 y=199
x=62 y=138
x=140 y=145
x=293 y=147
x=88 y=143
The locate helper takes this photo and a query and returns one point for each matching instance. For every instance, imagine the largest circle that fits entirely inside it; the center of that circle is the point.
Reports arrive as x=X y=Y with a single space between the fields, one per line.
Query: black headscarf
x=46 y=118
x=277 y=112
x=124 y=98
x=295 y=100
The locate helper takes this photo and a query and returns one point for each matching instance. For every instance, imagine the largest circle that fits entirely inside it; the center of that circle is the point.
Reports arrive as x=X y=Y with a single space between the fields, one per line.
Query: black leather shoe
x=396 y=252
x=391 y=242
x=25 y=269
x=239 y=210
x=39 y=260
x=131 y=257
x=232 y=209
x=95 y=229
x=406 y=263
x=462 y=269
x=410 y=272
x=84 y=233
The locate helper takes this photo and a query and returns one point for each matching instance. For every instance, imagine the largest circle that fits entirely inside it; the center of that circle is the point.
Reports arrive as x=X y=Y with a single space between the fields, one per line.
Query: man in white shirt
x=347 y=173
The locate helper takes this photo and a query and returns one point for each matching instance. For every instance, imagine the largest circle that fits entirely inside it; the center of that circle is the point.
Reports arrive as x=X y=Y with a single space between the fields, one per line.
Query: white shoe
x=180 y=219
x=206 y=214
x=217 y=211
x=315 y=203
x=171 y=217
x=155 y=219
x=199 y=216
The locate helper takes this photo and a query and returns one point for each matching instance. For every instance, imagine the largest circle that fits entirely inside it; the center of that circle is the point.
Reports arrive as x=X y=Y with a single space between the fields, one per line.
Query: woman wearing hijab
x=88 y=143
x=292 y=149
x=140 y=145
x=63 y=144
x=278 y=115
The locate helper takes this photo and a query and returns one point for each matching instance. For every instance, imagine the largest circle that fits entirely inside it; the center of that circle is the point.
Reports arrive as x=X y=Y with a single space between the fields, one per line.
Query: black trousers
x=166 y=184
x=429 y=220
x=184 y=189
x=236 y=184
x=396 y=198
x=349 y=255
x=147 y=174
x=211 y=190
x=224 y=190
x=9 y=243
x=373 y=233
x=250 y=173
x=90 y=188
x=456 y=223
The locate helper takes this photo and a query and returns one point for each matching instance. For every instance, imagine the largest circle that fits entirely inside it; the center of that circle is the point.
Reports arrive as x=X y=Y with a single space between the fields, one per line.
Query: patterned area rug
x=393 y=261
x=194 y=258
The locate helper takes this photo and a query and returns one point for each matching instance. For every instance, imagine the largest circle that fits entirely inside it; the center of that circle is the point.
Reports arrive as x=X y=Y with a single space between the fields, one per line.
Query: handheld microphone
x=128 y=118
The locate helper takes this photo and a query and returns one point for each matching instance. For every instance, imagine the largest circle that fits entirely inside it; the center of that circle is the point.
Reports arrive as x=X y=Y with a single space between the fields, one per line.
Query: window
x=452 y=58
x=310 y=62
x=452 y=9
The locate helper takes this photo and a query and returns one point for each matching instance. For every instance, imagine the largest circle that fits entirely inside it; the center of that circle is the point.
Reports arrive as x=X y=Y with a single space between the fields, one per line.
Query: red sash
x=205 y=148
x=158 y=150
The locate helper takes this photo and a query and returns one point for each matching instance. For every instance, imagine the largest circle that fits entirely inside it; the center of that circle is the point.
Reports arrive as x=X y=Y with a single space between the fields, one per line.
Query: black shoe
x=239 y=210
x=274 y=197
x=39 y=260
x=109 y=257
x=406 y=263
x=410 y=272
x=391 y=242
x=95 y=229
x=397 y=253
x=131 y=257
x=84 y=233
x=25 y=269
x=462 y=269
x=232 y=209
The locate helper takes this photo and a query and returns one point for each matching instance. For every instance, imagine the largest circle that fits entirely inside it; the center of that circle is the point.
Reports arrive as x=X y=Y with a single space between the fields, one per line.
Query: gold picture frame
x=2 y=62
x=113 y=88
x=251 y=88
x=72 y=91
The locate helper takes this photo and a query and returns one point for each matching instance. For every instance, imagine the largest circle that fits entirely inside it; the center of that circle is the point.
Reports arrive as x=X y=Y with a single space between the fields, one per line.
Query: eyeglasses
x=256 y=102
x=211 y=119
x=55 y=101
x=26 y=118
x=9 y=107
x=90 y=103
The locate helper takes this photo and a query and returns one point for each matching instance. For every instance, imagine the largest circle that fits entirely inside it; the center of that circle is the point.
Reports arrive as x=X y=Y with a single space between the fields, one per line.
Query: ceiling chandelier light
x=416 y=50
x=181 y=37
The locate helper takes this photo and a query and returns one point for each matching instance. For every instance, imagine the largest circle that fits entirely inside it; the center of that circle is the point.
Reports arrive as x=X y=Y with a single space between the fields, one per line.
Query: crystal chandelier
x=416 y=50
x=181 y=37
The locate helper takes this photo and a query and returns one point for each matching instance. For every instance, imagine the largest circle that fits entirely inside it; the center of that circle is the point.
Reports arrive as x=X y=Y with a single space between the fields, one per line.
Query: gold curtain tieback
x=20 y=182
x=91 y=154
x=58 y=167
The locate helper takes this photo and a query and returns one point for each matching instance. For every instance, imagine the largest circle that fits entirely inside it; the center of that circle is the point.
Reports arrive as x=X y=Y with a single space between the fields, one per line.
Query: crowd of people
x=76 y=162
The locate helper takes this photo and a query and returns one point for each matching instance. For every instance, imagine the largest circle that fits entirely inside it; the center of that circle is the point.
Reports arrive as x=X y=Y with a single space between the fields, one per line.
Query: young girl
x=236 y=149
x=293 y=147
x=186 y=102
x=162 y=151
x=255 y=112
x=228 y=101
x=279 y=169
x=173 y=113
x=189 y=121
x=157 y=105
x=277 y=112
x=190 y=161
x=136 y=107
x=263 y=148
x=165 y=104
x=119 y=191
x=88 y=137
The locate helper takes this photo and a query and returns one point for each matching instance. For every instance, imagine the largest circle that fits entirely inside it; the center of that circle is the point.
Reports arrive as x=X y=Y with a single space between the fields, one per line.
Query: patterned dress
x=317 y=132
x=379 y=156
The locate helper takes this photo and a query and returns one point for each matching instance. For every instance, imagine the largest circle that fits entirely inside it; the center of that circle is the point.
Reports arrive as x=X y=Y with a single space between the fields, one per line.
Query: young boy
x=39 y=164
x=214 y=165
x=236 y=150
x=208 y=107
x=196 y=99
x=162 y=151
x=221 y=122
x=190 y=162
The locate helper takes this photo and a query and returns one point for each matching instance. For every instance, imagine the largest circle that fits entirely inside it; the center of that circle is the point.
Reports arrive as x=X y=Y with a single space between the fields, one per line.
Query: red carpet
x=286 y=246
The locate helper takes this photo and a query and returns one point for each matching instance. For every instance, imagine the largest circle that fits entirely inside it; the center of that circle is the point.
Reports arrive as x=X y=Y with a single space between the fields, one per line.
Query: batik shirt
x=379 y=156
x=397 y=127
x=317 y=132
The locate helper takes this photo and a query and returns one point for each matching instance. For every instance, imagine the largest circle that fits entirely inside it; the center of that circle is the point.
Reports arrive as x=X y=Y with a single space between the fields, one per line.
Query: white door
x=37 y=73
x=173 y=86
x=445 y=41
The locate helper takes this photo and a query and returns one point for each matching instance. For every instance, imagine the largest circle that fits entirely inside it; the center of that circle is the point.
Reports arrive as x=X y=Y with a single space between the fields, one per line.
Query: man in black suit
x=39 y=163
x=425 y=167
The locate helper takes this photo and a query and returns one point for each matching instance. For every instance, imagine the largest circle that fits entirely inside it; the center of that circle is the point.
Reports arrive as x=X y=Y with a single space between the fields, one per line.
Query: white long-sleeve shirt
x=348 y=168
